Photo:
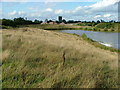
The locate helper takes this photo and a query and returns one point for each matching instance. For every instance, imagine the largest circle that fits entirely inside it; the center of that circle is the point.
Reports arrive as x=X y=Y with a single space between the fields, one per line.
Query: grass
x=51 y=27
x=73 y=27
x=56 y=27
x=101 y=27
x=95 y=43
x=33 y=58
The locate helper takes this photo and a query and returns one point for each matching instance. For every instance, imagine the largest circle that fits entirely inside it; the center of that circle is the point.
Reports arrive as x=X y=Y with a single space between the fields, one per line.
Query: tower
x=60 y=19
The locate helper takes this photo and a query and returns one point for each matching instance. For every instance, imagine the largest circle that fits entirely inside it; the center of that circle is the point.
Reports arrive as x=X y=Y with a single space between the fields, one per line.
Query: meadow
x=101 y=27
x=37 y=58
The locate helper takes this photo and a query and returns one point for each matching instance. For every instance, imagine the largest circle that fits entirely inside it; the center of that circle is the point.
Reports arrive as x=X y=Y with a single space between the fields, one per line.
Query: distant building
x=44 y=23
x=60 y=19
x=51 y=22
x=62 y=23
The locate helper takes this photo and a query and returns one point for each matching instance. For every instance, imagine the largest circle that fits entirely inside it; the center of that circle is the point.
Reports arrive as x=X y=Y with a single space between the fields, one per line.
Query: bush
x=18 y=21
x=90 y=28
x=86 y=28
x=96 y=29
x=8 y=22
x=105 y=29
x=105 y=25
x=84 y=36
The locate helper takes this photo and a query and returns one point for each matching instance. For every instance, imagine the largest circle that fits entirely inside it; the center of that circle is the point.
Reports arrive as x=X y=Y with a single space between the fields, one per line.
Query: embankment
x=47 y=59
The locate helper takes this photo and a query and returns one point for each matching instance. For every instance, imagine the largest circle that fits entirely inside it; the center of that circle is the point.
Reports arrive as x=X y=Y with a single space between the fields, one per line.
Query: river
x=109 y=39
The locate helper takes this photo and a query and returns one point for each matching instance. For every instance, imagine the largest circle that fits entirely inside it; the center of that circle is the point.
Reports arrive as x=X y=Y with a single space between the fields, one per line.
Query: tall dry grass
x=33 y=58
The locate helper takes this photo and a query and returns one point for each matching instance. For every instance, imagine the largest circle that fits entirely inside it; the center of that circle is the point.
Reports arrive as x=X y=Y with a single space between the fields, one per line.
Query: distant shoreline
x=67 y=27
x=71 y=27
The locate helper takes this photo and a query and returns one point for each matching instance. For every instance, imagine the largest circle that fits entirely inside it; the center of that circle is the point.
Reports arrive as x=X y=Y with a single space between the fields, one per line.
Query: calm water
x=109 y=39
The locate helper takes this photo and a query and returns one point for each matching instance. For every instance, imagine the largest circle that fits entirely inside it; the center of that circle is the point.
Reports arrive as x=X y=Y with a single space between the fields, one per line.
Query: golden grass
x=36 y=60
x=5 y=54
x=72 y=27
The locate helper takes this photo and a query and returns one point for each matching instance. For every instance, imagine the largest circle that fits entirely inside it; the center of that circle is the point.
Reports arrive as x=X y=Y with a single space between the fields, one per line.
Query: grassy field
x=35 y=58
x=102 y=27
x=55 y=26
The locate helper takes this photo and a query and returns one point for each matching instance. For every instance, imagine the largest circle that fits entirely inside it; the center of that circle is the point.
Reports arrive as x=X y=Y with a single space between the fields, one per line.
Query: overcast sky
x=69 y=9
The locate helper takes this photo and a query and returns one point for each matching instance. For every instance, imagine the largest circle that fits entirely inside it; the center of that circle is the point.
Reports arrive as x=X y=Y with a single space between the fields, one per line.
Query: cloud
x=34 y=15
x=60 y=11
x=77 y=9
x=33 y=8
x=21 y=12
x=49 y=10
x=98 y=9
x=102 y=6
x=71 y=0
x=94 y=11
x=13 y=13
x=103 y=16
x=49 y=0
x=80 y=13
x=15 y=0
x=97 y=16
x=105 y=5
x=107 y=15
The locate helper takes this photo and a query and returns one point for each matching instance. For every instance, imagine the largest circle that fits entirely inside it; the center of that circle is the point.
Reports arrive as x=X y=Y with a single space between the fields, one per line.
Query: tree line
x=19 y=21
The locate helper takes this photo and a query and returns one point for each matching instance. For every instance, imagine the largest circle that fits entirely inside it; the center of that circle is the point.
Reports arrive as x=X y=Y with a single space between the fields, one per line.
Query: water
x=109 y=39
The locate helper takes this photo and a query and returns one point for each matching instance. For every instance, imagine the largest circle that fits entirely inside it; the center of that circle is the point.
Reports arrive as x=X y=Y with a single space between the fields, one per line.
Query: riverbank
x=72 y=27
x=97 y=44
x=108 y=39
x=35 y=58
x=99 y=28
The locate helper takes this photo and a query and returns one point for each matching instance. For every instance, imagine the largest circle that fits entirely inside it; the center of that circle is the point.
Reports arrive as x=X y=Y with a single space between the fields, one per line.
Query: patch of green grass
x=35 y=62
x=19 y=74
x=103 y=79
x=96 y=44
x=102 y=27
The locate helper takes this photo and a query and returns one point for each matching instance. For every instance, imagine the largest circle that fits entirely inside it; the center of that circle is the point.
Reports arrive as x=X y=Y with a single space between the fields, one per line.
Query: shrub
x=105 y=25
x=8 y=22
x=86 y=28
x=84 y=36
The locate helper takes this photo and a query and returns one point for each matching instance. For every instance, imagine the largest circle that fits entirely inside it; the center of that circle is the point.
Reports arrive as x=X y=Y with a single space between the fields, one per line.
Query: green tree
x=8 y=22
x=37 y=21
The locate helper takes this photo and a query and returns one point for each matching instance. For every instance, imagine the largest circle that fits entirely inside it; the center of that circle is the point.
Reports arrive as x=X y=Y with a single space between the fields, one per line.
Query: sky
x=69 y=9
